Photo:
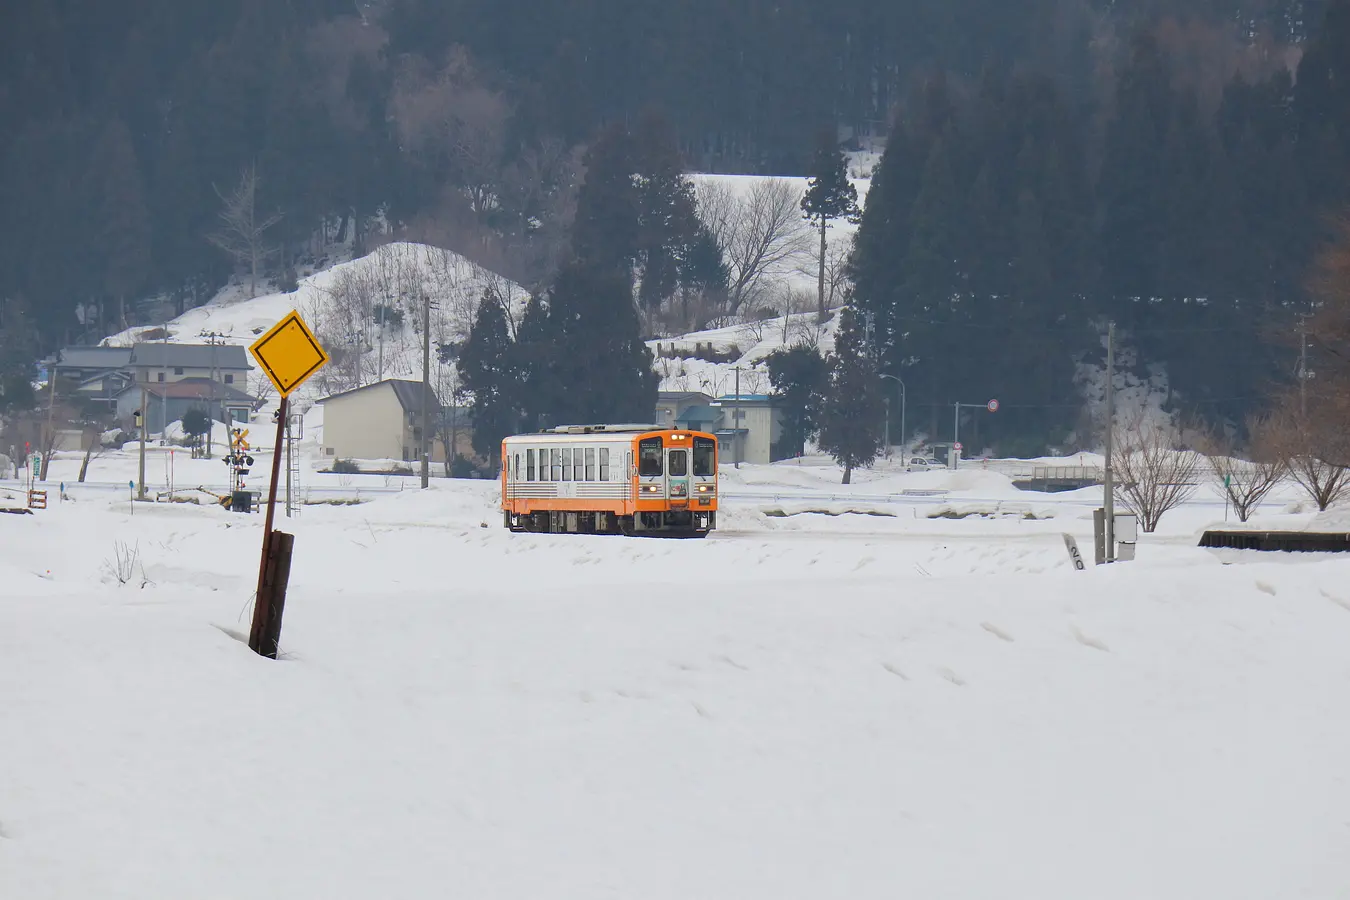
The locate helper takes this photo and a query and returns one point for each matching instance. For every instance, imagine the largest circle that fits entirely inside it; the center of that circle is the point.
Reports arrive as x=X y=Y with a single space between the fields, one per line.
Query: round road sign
x=992 y=406
x=957 y=447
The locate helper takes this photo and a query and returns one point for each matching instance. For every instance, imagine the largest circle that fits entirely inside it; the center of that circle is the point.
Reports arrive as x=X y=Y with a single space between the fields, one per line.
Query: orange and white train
x=611 y=479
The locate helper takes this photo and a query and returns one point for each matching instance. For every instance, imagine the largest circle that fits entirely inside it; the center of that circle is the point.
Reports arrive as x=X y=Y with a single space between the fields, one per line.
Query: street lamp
x=902 y=411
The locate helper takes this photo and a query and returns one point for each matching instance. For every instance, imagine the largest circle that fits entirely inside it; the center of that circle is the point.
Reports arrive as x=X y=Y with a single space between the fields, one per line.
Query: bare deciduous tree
x=762 y=235
x=1154 y=473
x=1302 y=443
x=1246 y=475
x=243 y=234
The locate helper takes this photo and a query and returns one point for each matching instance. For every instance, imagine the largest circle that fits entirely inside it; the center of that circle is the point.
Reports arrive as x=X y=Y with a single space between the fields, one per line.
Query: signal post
x=288 y=354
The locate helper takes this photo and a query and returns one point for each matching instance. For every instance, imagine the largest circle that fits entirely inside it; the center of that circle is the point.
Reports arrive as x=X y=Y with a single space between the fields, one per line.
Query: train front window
x=679 y=463
x=705 y=457
x=649 y=456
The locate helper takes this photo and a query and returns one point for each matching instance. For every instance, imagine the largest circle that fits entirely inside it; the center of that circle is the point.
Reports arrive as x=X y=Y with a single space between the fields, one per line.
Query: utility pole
x=886 y=439
x=214 y=339
x=164 y=397
x=1108 y=479
x=140 y=478
x=1303 y=367
x=49 y=445
x=736 y=419
x=426 y=390
x=380 y=368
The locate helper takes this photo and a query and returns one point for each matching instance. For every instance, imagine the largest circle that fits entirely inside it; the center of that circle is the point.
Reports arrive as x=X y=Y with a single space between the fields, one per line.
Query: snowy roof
x=409 y=393
x=189 y=356
x=676 y=396
x=745 y=398
x=94 y=357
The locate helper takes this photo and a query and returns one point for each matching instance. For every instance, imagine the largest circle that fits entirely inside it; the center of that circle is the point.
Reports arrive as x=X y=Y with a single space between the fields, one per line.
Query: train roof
x=565 y=433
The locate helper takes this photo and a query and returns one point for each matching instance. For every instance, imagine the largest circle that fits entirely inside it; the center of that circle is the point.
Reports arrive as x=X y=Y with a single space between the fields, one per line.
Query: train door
x=677 y=475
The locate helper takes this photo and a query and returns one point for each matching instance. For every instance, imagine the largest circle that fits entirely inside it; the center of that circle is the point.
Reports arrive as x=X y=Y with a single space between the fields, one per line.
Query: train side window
x=567 y=464
x=705 y=457
x=649 y=456
x=529 y=465
x=604 y=464
x=557 y=464
x=515 y=469
x=590 y=463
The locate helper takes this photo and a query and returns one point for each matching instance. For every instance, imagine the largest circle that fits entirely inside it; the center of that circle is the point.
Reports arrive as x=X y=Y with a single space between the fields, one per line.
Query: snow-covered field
x=802 y=705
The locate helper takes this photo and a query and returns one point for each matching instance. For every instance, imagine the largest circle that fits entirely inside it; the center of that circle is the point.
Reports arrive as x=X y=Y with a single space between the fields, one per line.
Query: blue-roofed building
x=748 y=428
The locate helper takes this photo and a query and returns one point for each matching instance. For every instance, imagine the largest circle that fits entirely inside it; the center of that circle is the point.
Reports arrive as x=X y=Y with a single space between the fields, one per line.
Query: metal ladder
x=294 y=431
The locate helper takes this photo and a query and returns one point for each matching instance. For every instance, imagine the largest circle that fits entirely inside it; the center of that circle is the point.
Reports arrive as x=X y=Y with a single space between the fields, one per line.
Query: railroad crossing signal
x=289 y=353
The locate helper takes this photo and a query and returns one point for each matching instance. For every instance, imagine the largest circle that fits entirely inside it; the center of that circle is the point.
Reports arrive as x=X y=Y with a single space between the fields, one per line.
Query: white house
x=380 y=421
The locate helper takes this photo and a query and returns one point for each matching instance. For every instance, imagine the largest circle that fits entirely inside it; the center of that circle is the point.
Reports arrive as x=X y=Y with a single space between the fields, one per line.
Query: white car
x=920 y=464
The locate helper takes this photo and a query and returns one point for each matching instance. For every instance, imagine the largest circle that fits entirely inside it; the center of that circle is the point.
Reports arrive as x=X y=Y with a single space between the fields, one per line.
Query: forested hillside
x=1049 y=164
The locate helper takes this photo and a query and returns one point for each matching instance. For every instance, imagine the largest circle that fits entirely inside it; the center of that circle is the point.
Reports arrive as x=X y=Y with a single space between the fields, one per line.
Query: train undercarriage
x=673 y=523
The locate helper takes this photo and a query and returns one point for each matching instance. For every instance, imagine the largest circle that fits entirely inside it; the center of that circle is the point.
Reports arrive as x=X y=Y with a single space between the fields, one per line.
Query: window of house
x=567 y=464
x=590 y=463
x=529 y=465
x=229 y=379
x=160 y=377
x=556 y=458
x=604 y=464
x=705 y=456
x=649 y=456
x=178 y=370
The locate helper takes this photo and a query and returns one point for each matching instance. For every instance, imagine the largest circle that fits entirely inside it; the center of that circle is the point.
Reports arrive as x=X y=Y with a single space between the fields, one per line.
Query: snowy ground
x=802 y=705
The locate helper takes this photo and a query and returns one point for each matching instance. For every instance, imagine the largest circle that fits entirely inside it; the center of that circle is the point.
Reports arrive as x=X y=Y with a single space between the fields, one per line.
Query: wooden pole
x=262 y=604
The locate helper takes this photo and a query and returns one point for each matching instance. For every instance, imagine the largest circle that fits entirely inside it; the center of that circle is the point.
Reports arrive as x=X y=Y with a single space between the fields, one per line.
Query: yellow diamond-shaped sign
x=289 y=353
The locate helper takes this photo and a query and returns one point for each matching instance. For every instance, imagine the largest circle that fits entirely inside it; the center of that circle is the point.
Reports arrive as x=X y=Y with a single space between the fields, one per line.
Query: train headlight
x=651 y=489
x=705 y=488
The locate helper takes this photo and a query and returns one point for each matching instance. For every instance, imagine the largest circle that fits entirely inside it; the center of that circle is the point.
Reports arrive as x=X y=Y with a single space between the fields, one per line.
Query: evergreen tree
x=601 y=371
x=666 y=219
x=851 y=415
x=530 y=359
x=799 y=376
x=829 y=196
x=123 y=225
x=18 y=349
x=486 y=370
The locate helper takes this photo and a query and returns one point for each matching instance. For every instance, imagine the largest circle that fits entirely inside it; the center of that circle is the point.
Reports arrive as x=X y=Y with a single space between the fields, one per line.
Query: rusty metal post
x=263 y=600
x=280 y=550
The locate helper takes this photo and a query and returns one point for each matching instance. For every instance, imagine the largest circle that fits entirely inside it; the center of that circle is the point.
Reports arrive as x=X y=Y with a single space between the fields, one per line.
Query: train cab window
x=649 y=456
x=557 y=464
x=705 y=457
x=604 y=464
x=529 y=465
x=590 y=463
x=679 y=463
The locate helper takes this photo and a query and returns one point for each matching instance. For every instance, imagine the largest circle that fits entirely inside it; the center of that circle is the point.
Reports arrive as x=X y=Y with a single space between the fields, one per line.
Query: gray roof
x=677 y=396
x=94 y=358
x=189 y=356
x=409 y=394
x=699 y=414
